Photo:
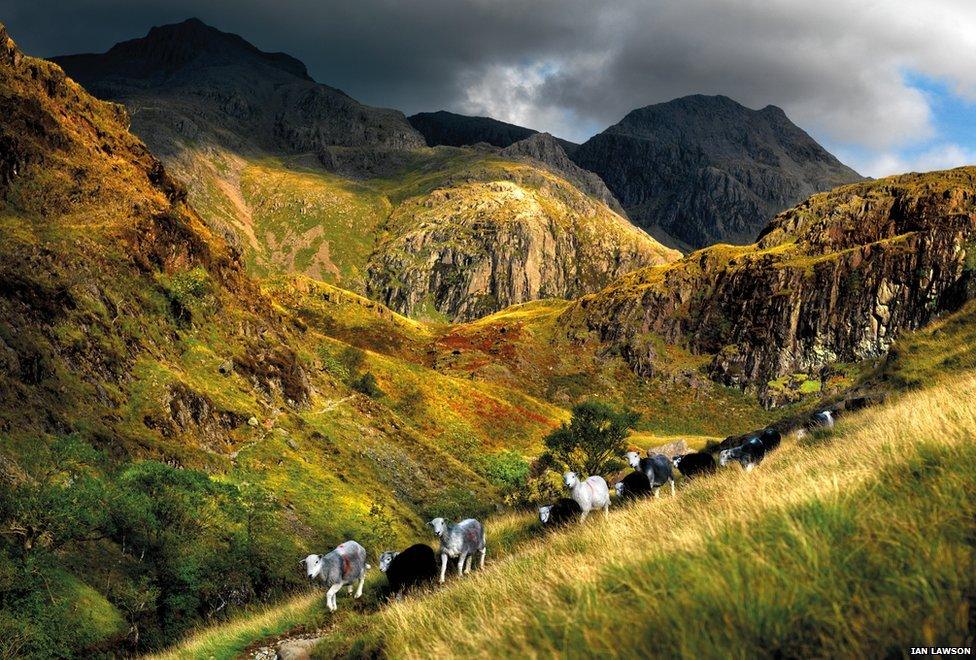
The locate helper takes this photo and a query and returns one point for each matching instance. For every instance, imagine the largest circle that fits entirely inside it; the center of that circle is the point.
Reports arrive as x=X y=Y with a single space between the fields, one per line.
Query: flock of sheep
x=346 y=565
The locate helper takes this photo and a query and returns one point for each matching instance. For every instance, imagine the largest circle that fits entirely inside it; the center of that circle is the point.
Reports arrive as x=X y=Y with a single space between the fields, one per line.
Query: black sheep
x=563 y=511
x=749 y=454
x=695 y=464
x=414 y=566
x=770 y=438
x=634 y=485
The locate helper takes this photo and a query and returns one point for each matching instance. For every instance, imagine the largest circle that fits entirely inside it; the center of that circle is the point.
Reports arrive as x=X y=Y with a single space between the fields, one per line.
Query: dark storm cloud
x=839 y=68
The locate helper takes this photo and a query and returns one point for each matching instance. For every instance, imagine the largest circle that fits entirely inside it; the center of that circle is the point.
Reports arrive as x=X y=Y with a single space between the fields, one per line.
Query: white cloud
x=939 y=157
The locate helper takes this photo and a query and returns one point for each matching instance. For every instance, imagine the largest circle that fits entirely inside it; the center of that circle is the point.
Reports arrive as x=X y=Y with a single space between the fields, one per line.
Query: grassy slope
x=849 y=542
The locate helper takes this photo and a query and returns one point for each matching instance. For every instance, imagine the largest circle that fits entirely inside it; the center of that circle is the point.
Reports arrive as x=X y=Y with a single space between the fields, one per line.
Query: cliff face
x=701 y=170
x=477 y=246
x=834 y=279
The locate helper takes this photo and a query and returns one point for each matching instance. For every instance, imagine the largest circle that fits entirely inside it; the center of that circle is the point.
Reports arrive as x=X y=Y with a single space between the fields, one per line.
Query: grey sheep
x=460 y=541
x=343 y=566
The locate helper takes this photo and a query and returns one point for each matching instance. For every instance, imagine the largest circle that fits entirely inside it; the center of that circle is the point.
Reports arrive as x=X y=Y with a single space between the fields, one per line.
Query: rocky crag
x=833 y=280
x=701 y=170
x=483 y=243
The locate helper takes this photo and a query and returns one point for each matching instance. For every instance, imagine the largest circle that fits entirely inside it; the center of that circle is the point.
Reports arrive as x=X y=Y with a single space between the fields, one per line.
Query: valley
x=244 y=316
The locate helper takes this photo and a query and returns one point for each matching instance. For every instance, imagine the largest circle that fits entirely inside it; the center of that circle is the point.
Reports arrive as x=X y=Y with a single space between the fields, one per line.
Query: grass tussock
x=859 y=542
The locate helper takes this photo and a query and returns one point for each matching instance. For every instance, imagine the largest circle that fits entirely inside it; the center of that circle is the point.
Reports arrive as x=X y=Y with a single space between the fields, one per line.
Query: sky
x=888 y=86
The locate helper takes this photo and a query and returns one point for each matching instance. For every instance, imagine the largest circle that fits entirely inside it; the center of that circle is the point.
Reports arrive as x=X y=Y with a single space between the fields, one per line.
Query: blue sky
x=951 y=142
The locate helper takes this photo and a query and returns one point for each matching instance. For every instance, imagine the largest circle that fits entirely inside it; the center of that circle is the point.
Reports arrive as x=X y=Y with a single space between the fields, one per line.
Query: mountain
x=701 y=170
x=219 y=89
x=302 y=179
x=451 y=129
x=831 y=281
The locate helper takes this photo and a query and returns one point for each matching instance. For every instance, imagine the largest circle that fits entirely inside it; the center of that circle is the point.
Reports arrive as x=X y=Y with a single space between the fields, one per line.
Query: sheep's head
x=570 y=479
x=439 y=526
x=620 y=488
x=386 y=558
x=544 y=513
x=312 y=565
x=676 y=461
x=633 y=459
x=725 y=456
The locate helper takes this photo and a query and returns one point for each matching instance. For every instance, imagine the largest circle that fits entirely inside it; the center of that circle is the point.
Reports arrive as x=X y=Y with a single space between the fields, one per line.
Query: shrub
x=366 y=384
x=593 y=441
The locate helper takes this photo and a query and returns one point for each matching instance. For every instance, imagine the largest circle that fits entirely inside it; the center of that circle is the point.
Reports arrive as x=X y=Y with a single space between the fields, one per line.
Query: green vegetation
x=592 y=442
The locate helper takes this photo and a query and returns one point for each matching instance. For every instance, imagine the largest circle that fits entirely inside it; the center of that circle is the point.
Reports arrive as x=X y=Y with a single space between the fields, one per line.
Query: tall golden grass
x=855 y=542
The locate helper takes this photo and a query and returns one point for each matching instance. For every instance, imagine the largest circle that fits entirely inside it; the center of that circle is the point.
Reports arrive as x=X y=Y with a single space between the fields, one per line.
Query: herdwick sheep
x=460 y=541
x=657 y=467
x=590 y=494
x=824 y=418
x=634 y=485
x=749 y=454
x=410 y=568
x=695 y=464
x=770 y=438
x=343 y=566
x=563 y=511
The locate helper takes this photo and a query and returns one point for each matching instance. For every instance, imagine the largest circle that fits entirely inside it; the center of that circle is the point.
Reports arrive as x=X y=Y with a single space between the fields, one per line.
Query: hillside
x=831 y=282
x=164 y=383
x=864 y=532
x=302 y=179
x=701 y=170
x=454 y=130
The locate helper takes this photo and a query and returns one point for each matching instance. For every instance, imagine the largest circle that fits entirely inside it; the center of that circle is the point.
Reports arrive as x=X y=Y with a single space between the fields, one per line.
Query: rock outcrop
x=834 y=279
x=701 y=170
x=475 y=247
x=547 y=150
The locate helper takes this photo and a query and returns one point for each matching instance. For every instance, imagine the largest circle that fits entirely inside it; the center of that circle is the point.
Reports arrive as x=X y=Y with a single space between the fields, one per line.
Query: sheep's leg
x=467 y=568
x=443 y=565
x=481 y=563
x=672 y=488
x=461 y=560
x=749 y=467
x=657 y=492
x=331 y=596
x=349 y=590
x=606 y=510
x=583 y=517
x=362 y=581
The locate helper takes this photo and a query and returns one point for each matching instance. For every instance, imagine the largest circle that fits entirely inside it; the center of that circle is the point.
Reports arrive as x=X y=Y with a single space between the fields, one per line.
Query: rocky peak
x=705 y=169
x=168 y=49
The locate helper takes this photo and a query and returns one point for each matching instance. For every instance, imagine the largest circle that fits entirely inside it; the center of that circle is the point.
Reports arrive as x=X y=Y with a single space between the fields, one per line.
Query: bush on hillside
x=592 y=442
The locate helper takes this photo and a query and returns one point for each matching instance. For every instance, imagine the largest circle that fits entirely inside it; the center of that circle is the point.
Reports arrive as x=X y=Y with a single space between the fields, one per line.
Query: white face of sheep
x=633 y=458
x=676 y=461
x=439 y=525
x=620 y=488
x=570 y=479
x=312 y=564
x=386 y=559
x=544 y=513
x=724 y=457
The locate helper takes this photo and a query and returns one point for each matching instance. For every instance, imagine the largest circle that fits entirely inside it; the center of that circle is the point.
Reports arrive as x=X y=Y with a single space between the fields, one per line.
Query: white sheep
x=590 y=494
x=343 y=566
x=460 y=541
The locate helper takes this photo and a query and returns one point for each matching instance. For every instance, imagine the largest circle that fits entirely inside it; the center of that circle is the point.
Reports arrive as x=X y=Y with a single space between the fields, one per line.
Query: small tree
x=593 y=441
